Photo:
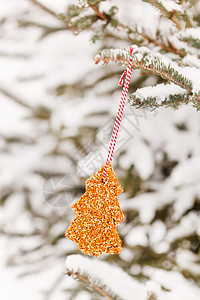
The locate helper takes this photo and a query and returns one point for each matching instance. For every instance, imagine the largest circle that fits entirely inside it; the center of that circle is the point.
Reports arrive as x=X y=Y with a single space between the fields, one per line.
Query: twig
x=176 y=51
x=13 y=97
x=96 y=287
x=174 y=19
x=40 y=25
x=98 y=12
x=44 y=8
x=172 y=49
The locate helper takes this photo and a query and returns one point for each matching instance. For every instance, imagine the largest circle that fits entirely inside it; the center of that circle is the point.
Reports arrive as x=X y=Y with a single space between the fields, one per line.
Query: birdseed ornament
x=97 y=212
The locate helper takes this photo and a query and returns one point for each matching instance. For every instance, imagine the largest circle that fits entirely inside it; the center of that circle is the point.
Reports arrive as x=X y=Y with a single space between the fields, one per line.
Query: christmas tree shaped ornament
x=97 y=212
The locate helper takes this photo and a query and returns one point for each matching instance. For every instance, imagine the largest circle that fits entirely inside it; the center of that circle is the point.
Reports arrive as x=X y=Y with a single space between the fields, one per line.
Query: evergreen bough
x=171 y=61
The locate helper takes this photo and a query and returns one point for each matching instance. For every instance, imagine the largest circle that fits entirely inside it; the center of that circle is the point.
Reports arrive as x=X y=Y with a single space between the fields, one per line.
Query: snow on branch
x=159 y=5
x=169 y=9
x=191 y=36
x=191 y=61
x=159 y=95
x=108 y=280
x=120 y=56
x=148 y=60
x=184 y=77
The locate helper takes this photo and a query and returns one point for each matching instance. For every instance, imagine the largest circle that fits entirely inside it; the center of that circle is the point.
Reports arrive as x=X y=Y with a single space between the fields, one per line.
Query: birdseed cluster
x=97 y=213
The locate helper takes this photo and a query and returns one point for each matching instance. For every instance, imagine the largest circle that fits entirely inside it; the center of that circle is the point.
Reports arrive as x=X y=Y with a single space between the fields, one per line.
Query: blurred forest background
x=56 y=114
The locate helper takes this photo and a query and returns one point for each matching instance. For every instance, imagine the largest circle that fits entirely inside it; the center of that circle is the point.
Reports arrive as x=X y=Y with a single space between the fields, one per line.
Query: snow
x=161 y=92
x=191 y=61
x=171 y=5
x=58 y=6
x=102 y=274
x=177 y=285
x=157 y=232
x=147 y=204
x=152 y=16
x=112 y=278
x=186 y=173
x=193 y=32
x=185 y=200
x=186 y=261
x=30 y=287
x=11 y=112
x=142 y=158
x=188 y=225
x=137 y=236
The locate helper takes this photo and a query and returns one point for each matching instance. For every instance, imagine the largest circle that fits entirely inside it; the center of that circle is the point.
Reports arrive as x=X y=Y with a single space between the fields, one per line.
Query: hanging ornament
x=97 y=212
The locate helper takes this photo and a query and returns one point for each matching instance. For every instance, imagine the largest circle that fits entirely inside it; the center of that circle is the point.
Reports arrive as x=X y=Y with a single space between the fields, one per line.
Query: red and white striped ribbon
x=118 y=119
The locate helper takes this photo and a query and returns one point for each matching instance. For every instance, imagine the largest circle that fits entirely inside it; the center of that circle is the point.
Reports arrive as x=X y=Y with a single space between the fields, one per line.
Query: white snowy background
x=31 y=68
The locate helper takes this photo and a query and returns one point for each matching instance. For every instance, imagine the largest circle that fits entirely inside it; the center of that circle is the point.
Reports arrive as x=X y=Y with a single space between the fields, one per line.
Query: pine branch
x=190 y=36
x=84 y=279
x=147 y=60
x=160 y=7
x=191 y=61
x=186 y=79
x=160 y=95
x=170 y=48
x=145 y=36
x=188 y=13
x=84 y=23
x=75 y=20
x=171 y=15
x=196 y=101
x=103 y=277
x=194 y=42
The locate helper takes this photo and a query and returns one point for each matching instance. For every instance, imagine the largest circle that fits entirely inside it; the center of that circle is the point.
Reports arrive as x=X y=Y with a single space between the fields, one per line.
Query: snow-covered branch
x=185 y=79
x=148 y=60
x=105 y=278
x=160 y=95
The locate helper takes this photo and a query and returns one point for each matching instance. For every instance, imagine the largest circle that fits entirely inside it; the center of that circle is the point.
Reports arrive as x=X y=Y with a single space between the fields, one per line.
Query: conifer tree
x=56 y=134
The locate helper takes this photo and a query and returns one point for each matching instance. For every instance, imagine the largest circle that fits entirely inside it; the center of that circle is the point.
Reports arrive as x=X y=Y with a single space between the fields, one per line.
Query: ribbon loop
x=127 y=75
x=122 y=78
